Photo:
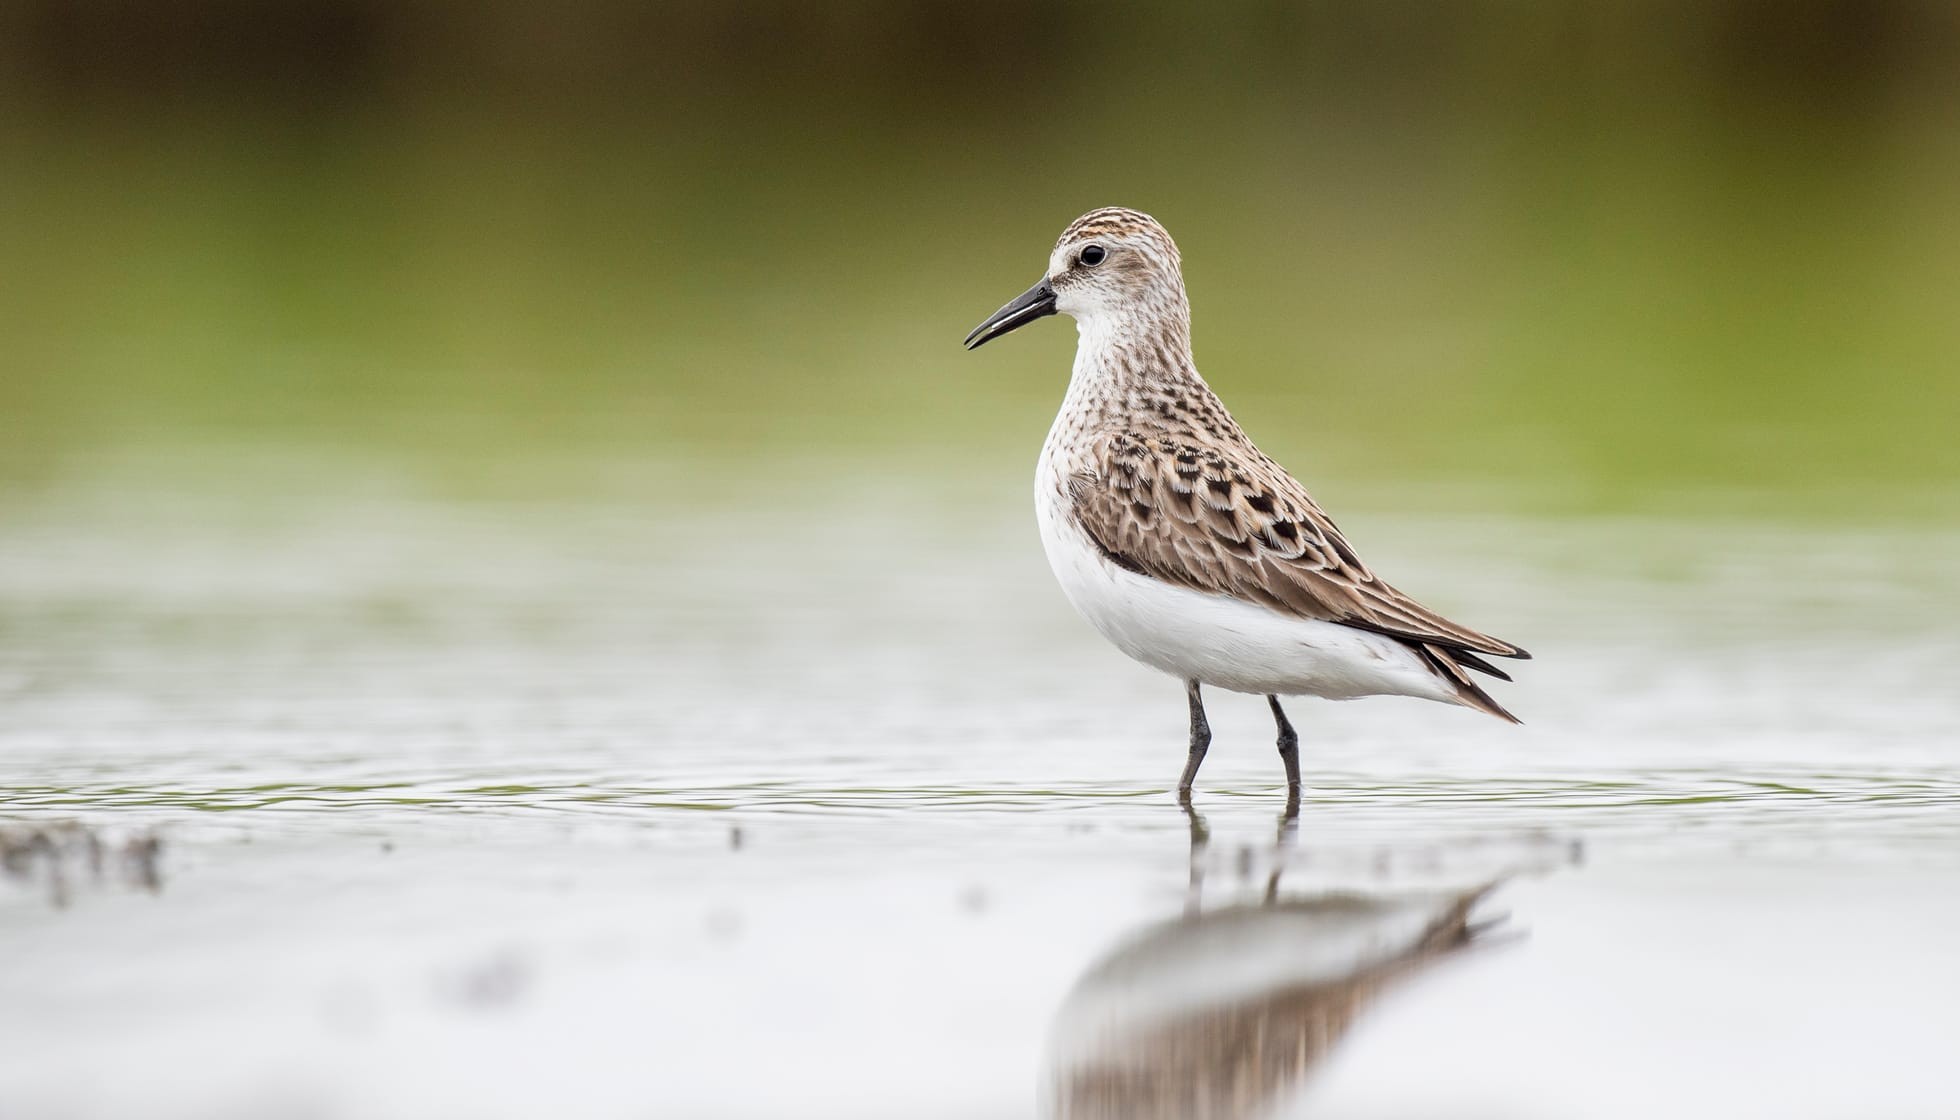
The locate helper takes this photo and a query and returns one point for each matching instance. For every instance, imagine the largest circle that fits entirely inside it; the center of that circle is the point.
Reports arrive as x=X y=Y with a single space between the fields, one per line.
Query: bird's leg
x=1200 y=742
x=1289 y=754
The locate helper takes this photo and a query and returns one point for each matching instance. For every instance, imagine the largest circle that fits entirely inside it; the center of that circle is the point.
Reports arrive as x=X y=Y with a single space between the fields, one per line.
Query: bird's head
x=1109 y=265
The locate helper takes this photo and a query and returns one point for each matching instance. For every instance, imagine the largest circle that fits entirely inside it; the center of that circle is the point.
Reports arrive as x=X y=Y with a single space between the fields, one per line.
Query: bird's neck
x=1132 y=367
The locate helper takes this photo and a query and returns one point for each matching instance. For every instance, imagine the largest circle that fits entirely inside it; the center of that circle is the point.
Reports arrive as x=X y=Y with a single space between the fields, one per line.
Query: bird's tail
x=1450 y=665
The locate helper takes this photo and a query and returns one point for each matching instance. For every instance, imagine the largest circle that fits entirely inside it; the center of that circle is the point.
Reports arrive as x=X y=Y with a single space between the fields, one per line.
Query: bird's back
x=1166 y=485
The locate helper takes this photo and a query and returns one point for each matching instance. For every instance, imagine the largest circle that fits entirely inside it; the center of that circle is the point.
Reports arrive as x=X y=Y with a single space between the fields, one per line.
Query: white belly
x=1218 y=640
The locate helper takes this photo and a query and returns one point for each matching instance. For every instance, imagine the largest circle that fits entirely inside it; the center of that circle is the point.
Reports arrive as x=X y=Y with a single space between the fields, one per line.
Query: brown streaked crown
x=1120 y=223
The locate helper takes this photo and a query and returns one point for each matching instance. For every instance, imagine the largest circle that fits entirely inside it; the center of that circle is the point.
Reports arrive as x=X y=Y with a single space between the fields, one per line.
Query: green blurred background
x=1590 y=256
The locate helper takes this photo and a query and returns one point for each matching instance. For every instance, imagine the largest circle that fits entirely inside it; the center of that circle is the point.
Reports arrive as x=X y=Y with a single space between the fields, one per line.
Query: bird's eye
x=1092 y=255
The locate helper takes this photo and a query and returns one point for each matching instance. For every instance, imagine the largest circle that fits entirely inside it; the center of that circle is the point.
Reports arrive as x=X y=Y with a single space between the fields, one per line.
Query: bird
x=1182 y=543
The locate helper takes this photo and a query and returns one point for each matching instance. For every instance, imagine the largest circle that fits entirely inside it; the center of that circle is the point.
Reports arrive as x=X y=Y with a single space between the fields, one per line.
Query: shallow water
x=828 y=806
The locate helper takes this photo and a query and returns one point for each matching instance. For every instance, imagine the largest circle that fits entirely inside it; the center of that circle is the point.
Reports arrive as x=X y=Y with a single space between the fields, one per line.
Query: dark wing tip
x=1465 y=657
x=1449 y=664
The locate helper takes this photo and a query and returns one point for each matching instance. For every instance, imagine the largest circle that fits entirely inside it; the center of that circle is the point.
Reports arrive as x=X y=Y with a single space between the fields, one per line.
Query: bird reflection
x=1220 y=1013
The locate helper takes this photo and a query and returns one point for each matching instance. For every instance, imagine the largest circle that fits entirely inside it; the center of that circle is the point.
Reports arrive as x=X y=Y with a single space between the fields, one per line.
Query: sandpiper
x=1184 y=544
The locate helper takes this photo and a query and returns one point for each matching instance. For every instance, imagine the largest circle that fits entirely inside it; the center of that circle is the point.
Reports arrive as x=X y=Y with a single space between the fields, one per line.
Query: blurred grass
x=1574 y=260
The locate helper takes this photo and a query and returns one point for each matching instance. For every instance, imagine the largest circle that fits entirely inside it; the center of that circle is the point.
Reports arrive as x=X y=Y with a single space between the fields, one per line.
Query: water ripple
x=1657 y=799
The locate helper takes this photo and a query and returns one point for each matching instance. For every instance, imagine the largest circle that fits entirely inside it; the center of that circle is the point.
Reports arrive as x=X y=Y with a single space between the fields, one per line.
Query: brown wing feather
x=1241 y=526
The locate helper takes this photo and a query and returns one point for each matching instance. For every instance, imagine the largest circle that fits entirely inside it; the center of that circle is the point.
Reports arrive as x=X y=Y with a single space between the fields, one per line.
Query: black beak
x=1019 y=312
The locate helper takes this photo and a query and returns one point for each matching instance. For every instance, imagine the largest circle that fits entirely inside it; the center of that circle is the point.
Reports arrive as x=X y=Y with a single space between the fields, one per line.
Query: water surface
x=822 y=803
